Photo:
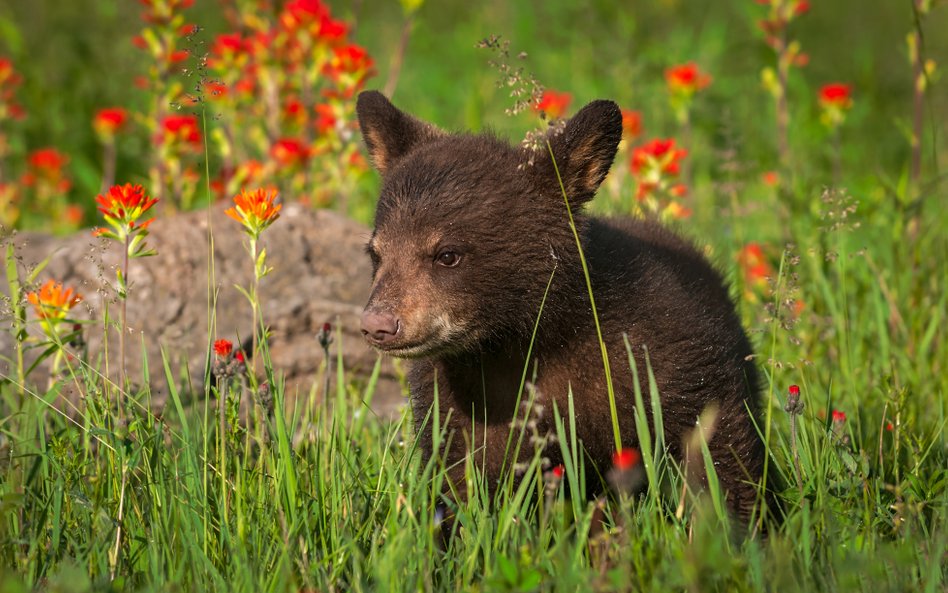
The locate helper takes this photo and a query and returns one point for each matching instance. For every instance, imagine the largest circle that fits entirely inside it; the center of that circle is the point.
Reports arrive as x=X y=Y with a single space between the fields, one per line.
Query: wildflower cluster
x=656 y=166
x=9 y=110
x=284 y=88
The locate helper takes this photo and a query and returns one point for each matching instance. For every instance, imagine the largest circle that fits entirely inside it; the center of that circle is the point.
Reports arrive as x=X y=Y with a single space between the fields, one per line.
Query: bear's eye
x=448 y=258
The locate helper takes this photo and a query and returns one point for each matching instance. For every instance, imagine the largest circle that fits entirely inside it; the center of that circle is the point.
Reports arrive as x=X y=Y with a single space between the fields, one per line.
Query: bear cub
x=472 y=236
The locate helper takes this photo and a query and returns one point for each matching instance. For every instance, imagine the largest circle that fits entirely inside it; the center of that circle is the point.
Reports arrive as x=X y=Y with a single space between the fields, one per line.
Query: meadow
x=808 y=169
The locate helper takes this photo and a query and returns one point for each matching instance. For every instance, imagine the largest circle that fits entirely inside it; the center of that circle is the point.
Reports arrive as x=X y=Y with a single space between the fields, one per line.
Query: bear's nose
x=379 y=327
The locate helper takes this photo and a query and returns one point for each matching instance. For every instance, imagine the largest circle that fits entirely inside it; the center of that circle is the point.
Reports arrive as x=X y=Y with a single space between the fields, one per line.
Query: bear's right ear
x=390 y=133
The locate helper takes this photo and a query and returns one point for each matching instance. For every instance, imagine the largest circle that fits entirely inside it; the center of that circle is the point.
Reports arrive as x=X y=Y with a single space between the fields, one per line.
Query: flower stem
x=123 y=319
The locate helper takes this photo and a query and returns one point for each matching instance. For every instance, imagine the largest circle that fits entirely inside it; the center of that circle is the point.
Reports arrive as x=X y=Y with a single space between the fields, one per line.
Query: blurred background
x=77 y=57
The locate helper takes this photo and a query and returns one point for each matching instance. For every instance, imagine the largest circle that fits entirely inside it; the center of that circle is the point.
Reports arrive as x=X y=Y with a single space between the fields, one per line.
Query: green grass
x=327 y=497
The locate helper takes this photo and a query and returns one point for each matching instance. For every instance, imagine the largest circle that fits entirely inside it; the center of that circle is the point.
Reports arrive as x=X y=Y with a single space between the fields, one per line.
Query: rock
x=320 y=273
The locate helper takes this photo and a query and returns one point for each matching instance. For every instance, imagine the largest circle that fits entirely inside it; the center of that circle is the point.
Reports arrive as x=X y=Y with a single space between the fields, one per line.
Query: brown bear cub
x=469 y=231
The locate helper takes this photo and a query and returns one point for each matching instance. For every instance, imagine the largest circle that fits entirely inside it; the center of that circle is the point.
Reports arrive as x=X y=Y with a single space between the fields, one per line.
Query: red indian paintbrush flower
x=553 y=104
x=754 y=266
x=626 y=458
x=47 y=159
x=108 y=121
x=180 y=129
x=290 y=152
x=121 y=207
x=631 y=124
x=223 y=348
x=46 y=168
x=835 y=100
x=836 y=94
x=255 y=210
x=686 y=79
x=658 y=156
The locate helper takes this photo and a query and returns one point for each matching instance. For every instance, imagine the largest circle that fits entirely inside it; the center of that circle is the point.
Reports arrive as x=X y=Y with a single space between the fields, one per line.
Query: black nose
x=379 y=327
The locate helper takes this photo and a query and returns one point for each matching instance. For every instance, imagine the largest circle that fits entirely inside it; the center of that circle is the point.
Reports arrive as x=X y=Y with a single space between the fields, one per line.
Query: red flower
x=836 y=94
x=47 y=160
x=215 y=89
x=626 y=458
x=754 y=265
x=839 y=417
x=325 y=118
x=8 y=76
x=228 y=43
x=223 y=348
x=658 y=155
x=179 y=55
x=553 y=104
x=294 y=109
x=180 y=129
x=109 y=120
x=350 y=65
x=771 y=178
x=686 y=79
x=289 y=152
x=122 y=205
x=631 y=123
x=794 y=390
x=558 y=471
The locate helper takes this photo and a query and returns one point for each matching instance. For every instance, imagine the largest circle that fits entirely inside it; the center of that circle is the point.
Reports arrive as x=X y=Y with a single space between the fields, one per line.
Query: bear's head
x=469 y=229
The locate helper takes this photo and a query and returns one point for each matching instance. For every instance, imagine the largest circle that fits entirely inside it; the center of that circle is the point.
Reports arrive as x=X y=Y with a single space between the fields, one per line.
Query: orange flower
x=686 y=79
x=255 y=210
x=553 y=104
x=631 y=123
x=109 y=120
x=771 y=178
x=53 y=302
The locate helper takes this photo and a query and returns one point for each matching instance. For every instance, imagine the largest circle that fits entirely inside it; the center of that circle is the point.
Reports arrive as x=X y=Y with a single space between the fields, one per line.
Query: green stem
x=123 y=314
x=592 y=302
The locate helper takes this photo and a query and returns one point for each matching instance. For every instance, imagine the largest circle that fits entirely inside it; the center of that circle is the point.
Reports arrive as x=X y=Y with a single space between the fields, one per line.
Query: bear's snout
x=380 y=328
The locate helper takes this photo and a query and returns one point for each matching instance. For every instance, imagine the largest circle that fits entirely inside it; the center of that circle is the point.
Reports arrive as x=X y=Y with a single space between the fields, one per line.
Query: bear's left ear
x=389 y=133
x=584 y=150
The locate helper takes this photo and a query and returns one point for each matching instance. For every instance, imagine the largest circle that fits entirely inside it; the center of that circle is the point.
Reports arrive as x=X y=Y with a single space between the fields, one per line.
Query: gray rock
x=320 y=274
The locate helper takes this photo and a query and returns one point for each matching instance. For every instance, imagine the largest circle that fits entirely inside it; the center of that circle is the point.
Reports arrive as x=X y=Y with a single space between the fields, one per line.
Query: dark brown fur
x=468 y=321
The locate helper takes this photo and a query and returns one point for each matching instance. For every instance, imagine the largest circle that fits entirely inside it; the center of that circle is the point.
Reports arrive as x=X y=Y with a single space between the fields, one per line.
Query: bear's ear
x=388 y=132
x=584 y=150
